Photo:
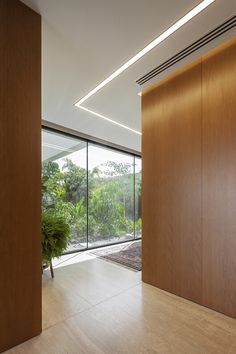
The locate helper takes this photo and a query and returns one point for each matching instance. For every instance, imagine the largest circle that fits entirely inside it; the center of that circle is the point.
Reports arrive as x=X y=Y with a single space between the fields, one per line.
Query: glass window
x=138 y=186
x=64 y=171
x=96 y=188
x=111 y=196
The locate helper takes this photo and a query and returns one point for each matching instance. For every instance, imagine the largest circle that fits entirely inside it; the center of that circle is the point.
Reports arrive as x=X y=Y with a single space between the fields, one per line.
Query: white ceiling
x=84 y=41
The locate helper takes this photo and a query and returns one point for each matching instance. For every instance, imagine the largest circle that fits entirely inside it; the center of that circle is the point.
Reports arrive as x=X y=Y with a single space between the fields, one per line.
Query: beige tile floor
x=94 y=306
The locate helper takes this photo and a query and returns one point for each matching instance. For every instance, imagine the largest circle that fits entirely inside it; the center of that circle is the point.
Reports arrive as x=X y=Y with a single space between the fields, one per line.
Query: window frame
x=54 y=128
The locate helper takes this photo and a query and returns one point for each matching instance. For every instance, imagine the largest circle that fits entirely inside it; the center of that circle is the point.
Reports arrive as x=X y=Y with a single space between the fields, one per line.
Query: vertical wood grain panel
x=20 y=192
x=171 y=153
x=189 y=181
x=219 y=179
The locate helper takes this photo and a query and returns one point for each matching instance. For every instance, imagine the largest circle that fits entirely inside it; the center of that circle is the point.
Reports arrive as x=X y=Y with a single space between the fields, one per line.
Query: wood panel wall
x=20 y=186
x=219 y=179
x=189 y=181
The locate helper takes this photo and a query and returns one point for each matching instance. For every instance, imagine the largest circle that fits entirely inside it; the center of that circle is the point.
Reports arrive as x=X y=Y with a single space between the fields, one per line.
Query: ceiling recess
x=217 y=32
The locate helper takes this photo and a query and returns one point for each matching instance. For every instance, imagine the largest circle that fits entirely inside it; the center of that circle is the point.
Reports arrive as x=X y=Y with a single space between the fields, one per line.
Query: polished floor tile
x=94 y=306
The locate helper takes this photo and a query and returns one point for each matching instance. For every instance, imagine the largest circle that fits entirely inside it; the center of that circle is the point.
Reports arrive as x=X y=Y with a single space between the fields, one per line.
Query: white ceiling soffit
x=55 y=146
x=85 y=41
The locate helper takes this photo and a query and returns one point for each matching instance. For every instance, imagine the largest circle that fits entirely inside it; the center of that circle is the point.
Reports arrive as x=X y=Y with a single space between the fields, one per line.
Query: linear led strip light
x=186 y=18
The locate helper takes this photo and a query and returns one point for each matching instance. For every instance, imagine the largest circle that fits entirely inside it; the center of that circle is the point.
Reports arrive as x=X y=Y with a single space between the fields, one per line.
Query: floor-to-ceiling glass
x=138 y=190
x=97 y=189
x=111 y=196
x=64 y=171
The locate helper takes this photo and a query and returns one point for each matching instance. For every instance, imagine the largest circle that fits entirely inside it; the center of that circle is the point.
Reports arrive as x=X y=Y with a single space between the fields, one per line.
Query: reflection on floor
x=94 y=306
x=87 y=255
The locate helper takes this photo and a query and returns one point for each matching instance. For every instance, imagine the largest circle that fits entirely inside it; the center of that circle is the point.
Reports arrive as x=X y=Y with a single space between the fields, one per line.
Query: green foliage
x=118 y=169
x=75 y=182
x=55 y=235
x=52 y=184
x=107 y=216
x=110 y=199
x=138 y=226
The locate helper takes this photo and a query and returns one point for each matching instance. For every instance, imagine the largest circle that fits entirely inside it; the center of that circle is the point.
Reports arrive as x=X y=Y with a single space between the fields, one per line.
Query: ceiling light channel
x=186 y=18
x=110 y=120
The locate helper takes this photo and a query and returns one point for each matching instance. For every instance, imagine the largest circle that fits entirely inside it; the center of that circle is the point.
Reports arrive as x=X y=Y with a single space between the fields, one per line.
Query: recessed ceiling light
x=110 y=120
x=186 y=18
